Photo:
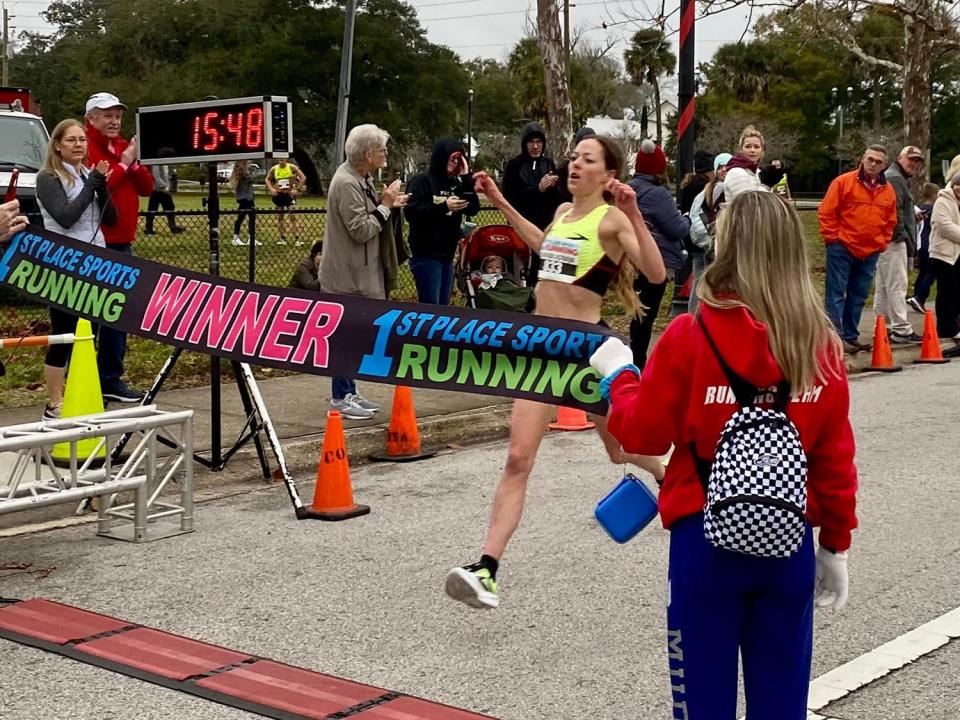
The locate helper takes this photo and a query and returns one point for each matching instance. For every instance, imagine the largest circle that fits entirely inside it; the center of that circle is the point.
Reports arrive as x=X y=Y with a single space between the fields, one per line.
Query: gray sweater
x=78 y=210
x=906 y=229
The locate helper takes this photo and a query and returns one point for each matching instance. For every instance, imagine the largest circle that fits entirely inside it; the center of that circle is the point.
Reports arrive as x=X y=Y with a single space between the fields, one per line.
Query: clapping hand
x=548 y=181
x=129 y=155
x=103 y=167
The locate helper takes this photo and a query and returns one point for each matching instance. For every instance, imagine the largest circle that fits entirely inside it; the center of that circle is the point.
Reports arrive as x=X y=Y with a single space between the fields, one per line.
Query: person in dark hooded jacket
x=670 y=230
x=531 y=184
x=438 y=201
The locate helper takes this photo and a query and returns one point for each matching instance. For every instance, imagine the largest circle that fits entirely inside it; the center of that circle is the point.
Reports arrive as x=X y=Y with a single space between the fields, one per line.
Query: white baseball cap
x=104 y=101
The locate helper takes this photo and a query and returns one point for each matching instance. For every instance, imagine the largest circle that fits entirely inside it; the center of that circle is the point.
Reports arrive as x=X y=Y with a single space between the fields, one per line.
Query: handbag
x=627 y=509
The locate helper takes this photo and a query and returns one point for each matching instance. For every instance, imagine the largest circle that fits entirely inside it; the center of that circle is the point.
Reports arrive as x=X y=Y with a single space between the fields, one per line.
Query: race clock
x=215 y=130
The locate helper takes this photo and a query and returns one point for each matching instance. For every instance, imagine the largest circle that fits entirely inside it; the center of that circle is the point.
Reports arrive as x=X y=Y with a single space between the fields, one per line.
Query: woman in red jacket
x=761 y=317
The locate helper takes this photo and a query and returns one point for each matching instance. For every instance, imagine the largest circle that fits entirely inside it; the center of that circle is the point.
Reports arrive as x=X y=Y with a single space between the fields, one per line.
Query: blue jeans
x=434 y=279
x=722 y=603
x=343 y=386
x=847 y=286
x=111 y=343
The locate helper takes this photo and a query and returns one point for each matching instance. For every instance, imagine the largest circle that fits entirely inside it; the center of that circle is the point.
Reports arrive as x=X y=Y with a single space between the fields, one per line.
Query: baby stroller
x=510 y=291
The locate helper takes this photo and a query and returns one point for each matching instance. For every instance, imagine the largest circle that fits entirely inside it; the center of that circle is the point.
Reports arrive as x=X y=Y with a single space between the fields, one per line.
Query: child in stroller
x=493 y=268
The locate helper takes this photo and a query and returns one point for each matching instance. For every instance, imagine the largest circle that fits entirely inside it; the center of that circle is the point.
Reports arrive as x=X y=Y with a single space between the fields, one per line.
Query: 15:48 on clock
x=214 y=130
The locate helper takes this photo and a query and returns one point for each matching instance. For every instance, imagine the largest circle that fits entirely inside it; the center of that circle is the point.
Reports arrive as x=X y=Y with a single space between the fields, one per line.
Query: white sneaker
x=349 y=408
x=364 y=403
x=237 y=240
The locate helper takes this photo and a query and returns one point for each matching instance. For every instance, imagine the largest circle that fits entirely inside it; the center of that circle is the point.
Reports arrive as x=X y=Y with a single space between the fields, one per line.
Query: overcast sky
x=489 y=28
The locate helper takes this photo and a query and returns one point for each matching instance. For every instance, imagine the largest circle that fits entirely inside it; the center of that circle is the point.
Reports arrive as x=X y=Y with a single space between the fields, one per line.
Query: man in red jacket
x=127 y=181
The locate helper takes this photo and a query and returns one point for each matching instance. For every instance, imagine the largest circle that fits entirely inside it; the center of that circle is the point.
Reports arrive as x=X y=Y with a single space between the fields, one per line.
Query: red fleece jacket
x=683 y=397
x=124 y=185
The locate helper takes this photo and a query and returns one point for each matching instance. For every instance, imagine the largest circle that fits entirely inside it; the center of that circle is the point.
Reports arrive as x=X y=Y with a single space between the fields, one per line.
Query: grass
x=23 y=384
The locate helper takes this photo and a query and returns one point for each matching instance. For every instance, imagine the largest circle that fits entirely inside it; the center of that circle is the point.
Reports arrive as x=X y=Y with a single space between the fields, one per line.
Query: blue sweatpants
x=721 y=603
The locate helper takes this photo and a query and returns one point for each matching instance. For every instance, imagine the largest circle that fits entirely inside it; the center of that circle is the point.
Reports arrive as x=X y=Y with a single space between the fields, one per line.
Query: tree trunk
x=559 y=107
x=659 y=111
x=917 y=85
x=877 y=107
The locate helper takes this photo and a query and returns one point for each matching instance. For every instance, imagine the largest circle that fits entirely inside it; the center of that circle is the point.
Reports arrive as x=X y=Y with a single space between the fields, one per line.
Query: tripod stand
x=255 y=411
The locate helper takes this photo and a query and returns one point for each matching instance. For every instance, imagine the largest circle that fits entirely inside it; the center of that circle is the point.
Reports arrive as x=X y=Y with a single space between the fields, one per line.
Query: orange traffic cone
x=882 y=355
x=333 y=495
x=570 y=419
x=403 y=438
x=930 y=351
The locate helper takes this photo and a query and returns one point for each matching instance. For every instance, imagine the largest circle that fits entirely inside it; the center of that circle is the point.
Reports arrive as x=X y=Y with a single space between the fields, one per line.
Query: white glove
x=833 y=583
x=611 y=356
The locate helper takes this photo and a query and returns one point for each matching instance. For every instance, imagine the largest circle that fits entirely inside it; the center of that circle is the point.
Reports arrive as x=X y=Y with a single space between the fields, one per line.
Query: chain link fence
x=272 y=257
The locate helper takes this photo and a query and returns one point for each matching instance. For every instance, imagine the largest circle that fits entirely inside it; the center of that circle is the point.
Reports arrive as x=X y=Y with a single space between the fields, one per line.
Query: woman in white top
x=743 y=168
x=73 y=201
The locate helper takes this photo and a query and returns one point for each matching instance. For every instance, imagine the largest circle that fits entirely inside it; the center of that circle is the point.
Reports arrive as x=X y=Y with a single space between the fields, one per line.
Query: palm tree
x=648 y=58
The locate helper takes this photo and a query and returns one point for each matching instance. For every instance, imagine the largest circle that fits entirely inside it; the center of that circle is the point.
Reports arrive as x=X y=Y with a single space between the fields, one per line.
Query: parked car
x=23 y=142
x=224 y=170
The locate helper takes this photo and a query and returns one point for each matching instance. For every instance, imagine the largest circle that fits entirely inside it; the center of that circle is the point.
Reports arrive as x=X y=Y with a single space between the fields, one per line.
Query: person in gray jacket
x=359 y=250
x=73 y=201
x=893 y=277
x=161 y=197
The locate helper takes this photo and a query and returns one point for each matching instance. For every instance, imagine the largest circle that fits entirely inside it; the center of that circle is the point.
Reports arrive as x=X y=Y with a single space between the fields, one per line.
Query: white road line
x=873 y=665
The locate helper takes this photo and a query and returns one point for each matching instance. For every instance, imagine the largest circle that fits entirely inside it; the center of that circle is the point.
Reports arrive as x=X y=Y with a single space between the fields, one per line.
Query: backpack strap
x=743 y=391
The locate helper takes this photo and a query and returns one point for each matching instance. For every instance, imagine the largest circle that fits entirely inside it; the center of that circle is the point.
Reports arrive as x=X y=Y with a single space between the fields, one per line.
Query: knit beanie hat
x=721 y=160
x=650 y=159
x=702 y=161
x=584 y=133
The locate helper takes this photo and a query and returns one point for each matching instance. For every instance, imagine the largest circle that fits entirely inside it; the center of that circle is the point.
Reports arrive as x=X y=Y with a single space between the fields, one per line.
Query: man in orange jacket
x=128 y=179
x=857 y=217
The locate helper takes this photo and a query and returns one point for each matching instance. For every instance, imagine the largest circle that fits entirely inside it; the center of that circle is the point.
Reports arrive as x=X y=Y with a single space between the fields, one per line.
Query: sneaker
x=282 y=241
x=850 y=348
x=911 y=339
x=119 y=391
x=473 y=586
x=916 y=305
x=237 y=240
x=297 y=241
x=350 y=410
x=177 y=230
x=364 y=403
x=148 y=232
x=51 y=412
x=864 y=346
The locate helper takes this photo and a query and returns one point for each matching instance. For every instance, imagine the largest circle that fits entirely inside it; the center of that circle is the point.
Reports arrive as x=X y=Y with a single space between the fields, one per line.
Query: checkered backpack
x=756 y=485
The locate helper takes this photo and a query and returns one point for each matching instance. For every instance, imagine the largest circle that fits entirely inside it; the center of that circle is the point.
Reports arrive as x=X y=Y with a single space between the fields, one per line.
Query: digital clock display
x=244 y=128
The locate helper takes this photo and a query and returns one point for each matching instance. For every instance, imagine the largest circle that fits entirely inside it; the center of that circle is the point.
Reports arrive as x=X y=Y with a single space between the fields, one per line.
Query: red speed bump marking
x=265 y=687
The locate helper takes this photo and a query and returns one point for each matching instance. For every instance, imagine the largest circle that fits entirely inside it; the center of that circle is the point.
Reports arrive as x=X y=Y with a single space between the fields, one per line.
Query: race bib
x=558 y=259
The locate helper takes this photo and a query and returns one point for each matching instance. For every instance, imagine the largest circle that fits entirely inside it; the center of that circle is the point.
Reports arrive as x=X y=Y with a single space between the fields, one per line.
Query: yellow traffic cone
x=82 y=395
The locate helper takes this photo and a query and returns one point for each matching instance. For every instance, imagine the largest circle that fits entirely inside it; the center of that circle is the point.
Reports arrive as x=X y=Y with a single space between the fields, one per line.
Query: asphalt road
x=580 y=631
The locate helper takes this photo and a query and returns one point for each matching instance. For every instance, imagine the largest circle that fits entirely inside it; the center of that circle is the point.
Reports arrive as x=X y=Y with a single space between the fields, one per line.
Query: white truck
x=23 y=143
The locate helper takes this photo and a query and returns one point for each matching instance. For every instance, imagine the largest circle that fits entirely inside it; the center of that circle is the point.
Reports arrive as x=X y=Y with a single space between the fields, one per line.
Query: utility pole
x=343 y=96
x=6 y=46
x=566 y=36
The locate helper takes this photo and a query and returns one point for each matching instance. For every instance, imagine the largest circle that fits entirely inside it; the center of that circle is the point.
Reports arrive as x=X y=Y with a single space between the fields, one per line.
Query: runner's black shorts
x=283 y=200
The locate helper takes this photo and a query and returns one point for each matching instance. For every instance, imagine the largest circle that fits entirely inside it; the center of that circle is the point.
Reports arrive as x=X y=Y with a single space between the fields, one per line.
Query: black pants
x=245 y=210
x=160 y=198
x=651 y=295
x=948 y=297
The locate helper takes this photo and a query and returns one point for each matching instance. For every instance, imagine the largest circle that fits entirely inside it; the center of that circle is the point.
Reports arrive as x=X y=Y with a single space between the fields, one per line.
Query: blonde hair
x=952 y=172
x=748 y=132
x=624 y=292
x=239 y=173
x=53 y=162
x=761 y=264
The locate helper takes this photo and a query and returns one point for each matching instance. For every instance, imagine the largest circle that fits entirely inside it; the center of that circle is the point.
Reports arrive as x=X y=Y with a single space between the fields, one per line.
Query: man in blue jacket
x=668 y=227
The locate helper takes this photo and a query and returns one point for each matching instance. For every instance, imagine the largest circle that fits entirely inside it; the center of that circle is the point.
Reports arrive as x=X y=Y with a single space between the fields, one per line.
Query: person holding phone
x=11 y=221
x=73 y=201
x=439 y=200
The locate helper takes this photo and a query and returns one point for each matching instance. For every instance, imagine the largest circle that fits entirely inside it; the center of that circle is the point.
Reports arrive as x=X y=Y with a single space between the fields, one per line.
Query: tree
x=929 y=30
x=559 y=108
x=150 y=53
x=648 y=58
